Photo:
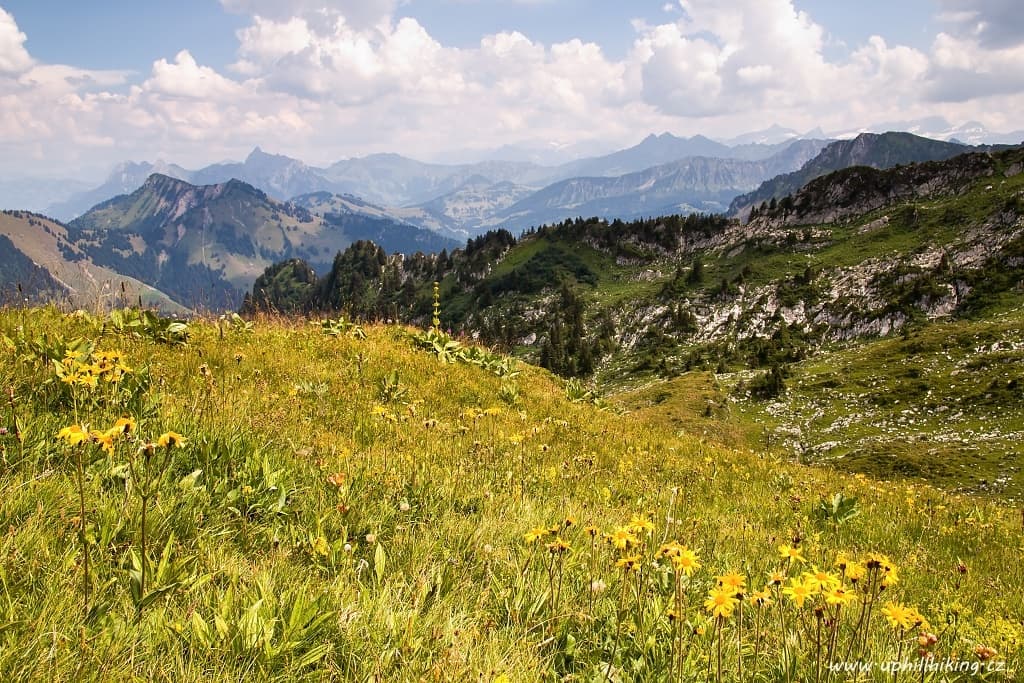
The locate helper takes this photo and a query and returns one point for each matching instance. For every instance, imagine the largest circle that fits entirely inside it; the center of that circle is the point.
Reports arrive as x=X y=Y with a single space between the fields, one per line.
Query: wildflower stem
x=739 y=639
x=718 y=638
x=142 y=551
x=80 y=477
x=899 y=654
x=618 y=629
x=817 y=648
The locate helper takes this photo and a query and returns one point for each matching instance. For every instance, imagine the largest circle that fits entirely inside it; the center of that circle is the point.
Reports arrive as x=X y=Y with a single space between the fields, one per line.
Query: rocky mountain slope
x=859 y=252
x=878 y=151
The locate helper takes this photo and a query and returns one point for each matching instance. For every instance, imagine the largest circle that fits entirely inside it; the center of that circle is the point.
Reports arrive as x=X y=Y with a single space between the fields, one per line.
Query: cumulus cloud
x=14 y=58
x=994 y=24
x=327 y=79
x=185 y=78
x=721 y=56
x=963 y=69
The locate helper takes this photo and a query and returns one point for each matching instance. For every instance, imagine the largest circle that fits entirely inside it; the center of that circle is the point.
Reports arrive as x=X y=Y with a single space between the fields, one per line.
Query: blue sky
x=84 y=85
x=131 y=34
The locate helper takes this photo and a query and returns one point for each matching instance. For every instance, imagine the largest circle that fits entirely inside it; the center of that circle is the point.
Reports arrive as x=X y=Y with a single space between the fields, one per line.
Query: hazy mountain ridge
x=691 y=184
x=205 y=245
x=395 y=181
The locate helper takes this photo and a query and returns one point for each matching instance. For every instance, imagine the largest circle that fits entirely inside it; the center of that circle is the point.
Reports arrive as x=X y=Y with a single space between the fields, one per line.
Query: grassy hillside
x=345 y=506
x=944 y=403
x=85 y=283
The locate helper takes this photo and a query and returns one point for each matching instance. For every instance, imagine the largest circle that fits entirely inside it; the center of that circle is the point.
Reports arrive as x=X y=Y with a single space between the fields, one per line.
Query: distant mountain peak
x=258 y=155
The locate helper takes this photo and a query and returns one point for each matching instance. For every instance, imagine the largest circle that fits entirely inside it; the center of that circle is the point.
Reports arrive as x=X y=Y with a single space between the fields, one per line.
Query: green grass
x=309 y=529
x=944 y=404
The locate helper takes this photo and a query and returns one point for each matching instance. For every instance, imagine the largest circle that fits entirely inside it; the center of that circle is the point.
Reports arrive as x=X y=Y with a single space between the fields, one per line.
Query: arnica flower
x=761 y=598
x=721 y=602
x=74 y=435
x=557 y=546
x=639 y=525
x=622 y=538
x=591 y=531
x=838 y=595
x=104 y=439
x=879 y=561
x=891 y=577
x=855 y=571
x=686 y=561
x=791 y=554
x=669 y=549
x=733 y=581
x=777 y=578
x=337 y=479
x=124 y=425
x=630 y=563
x=535 y=534
x=170 y=439
x=820 y=581
x=797 y=591
x=900 y=616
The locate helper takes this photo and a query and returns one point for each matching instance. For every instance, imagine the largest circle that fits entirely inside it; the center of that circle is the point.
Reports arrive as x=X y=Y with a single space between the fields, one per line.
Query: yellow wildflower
x=733 y=581
x=557 y=546
x=629 y=564
x=124 y=425
x=622 y=538
x=820 y=581
x=74 y=435
x=761 y=598
x=535 y=534
x=797 y=591
x=899 y=616
x=639 y=525
x=791 y=554
x=838 y=595
x=170 y=439
x=686 y=561
x=855 y=571
x=721 y=602
x=104 y=439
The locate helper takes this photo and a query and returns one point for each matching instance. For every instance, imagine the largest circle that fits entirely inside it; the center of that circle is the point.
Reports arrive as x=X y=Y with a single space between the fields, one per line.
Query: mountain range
x=188 y=246
x=465 y=199
x=205 y=244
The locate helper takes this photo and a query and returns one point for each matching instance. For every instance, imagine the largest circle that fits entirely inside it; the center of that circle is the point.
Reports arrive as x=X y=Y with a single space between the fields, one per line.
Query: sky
x=86 y=85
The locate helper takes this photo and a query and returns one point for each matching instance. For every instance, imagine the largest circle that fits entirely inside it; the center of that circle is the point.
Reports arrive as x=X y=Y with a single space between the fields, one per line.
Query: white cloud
x=323 y=79
x=994 y=24
x=14 y=58
x=963 y=69
x=724 y=56
x=185 y=78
